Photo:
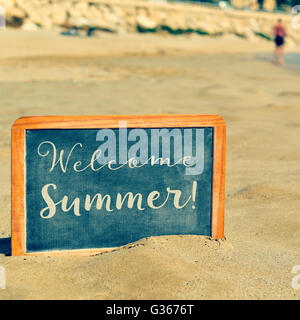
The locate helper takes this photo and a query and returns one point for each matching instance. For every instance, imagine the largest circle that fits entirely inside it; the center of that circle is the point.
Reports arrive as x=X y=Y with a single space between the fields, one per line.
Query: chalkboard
x=87 y=184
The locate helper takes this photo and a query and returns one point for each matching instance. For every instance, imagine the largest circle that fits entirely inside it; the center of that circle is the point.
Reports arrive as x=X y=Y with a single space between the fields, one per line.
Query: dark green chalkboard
x=96 y=228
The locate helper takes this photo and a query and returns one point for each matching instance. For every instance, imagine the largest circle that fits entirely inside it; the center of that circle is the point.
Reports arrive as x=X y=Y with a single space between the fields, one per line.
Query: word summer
x=134 y=148
x=154 y=200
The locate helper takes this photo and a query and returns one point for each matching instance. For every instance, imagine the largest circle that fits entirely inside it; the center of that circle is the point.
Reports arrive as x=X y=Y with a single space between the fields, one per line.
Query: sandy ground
x=44 y=73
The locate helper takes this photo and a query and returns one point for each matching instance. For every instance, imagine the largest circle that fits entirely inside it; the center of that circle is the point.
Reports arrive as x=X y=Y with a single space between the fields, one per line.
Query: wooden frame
x=18 y=225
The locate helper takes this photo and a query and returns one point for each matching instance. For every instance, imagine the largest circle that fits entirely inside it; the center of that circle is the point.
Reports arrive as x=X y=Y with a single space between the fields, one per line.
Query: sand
x=44 y=73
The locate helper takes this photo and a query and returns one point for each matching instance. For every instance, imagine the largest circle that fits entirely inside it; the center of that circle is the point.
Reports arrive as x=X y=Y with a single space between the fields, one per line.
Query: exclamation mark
x=194 y=192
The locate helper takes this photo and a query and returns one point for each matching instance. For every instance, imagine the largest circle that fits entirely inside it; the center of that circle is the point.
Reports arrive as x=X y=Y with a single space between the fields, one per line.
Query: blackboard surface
x=100 y=228
x=82 y=185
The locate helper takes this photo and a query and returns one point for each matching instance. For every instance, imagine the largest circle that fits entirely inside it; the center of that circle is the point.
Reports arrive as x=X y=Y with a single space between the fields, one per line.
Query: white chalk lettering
x=187 y=151
x=130 y=200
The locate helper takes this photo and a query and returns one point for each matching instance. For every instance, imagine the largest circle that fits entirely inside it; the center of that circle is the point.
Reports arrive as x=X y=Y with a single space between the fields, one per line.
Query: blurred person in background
x=280 y=34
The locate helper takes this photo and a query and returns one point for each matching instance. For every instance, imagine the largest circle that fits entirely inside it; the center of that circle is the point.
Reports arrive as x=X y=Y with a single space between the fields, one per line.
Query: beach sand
x=43 y=73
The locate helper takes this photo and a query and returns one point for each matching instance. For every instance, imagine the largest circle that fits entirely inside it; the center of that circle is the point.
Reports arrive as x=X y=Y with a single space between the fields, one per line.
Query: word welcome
x=135 y=149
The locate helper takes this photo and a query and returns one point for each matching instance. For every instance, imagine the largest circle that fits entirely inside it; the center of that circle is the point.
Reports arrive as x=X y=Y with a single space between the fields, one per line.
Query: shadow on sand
x=5 y=246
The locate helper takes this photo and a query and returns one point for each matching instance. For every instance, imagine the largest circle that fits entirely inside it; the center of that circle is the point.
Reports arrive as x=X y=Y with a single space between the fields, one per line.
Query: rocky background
x=124 y=16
